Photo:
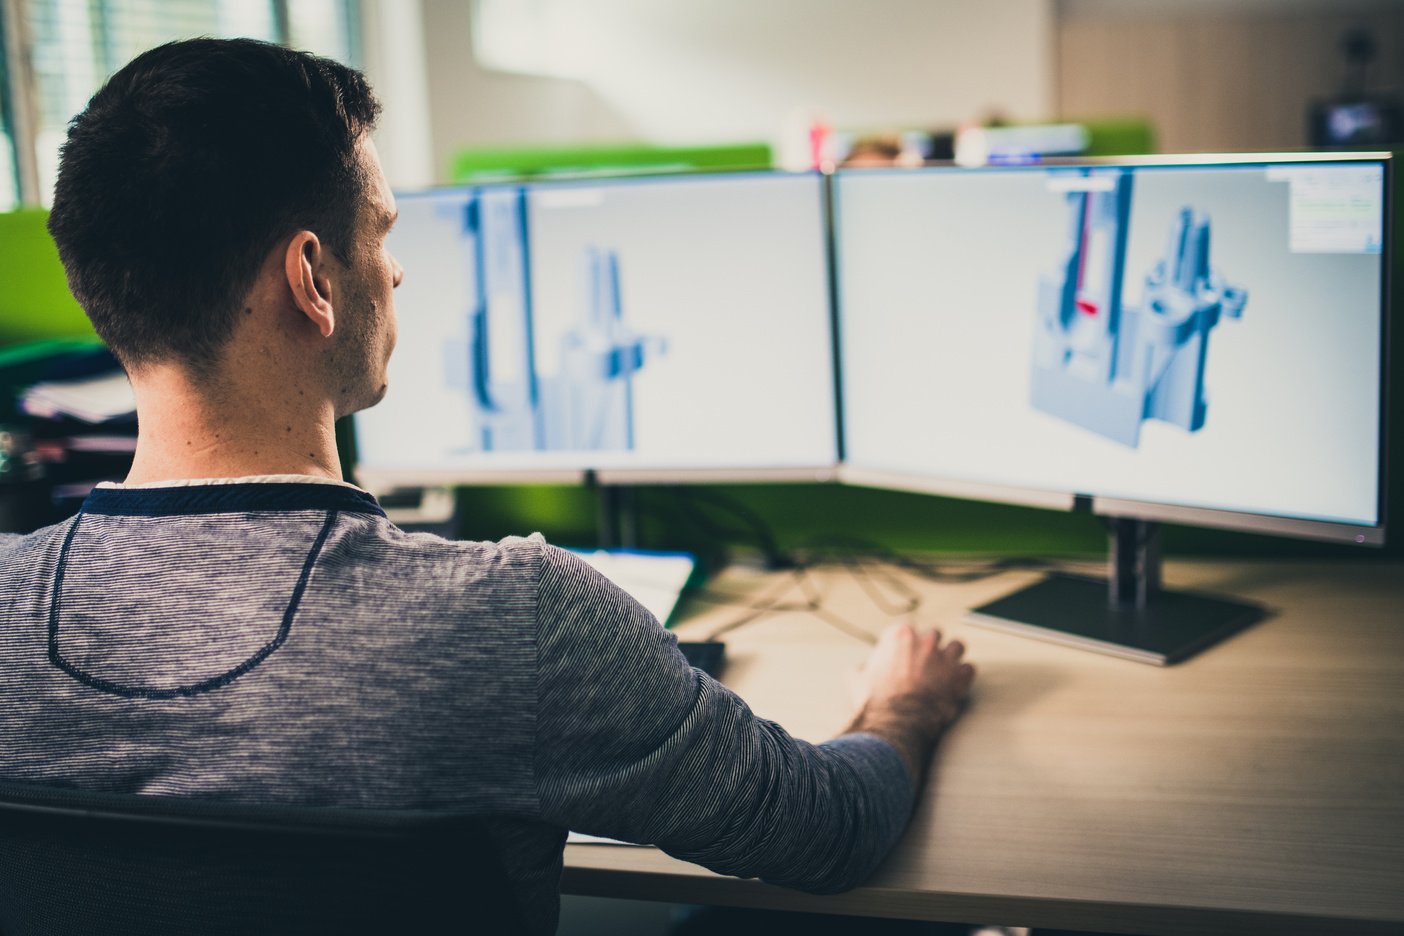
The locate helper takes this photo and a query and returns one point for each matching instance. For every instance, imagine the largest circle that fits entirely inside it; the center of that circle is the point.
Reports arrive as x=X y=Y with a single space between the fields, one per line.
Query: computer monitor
x=1200 y=343
x=644 y=329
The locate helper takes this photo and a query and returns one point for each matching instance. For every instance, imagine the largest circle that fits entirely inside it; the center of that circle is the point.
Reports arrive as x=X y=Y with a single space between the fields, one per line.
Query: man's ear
x=304 y=266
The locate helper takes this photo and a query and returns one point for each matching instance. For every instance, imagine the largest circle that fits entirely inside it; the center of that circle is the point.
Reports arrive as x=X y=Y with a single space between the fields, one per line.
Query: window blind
x=9 y=171
x=76 y=44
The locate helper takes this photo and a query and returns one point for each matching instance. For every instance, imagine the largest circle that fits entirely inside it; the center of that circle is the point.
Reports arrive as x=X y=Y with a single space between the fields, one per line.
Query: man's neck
x=188 y=431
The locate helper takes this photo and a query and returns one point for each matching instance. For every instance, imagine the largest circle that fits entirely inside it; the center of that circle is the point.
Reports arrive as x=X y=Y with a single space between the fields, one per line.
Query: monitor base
x=1076 y=611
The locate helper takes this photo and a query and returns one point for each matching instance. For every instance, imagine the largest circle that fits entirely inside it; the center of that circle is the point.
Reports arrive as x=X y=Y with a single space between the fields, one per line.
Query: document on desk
x=89 y=399
x=580 y=838
x=654 y=579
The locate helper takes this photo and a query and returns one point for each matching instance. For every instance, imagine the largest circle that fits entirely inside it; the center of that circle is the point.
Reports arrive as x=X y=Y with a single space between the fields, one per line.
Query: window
x=75 y=45
x=9 y=172
x=326 y=27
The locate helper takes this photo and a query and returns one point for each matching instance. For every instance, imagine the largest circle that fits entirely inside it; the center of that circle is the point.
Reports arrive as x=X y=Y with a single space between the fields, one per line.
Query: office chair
x=75 y=862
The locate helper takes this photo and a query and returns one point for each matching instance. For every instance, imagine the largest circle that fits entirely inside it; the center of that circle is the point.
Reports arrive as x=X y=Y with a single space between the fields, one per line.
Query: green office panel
x=565 y=514
x=27 y=363
x=34 y=300
x=723 y=521
x=811 y=515
x=17 y=361
x=1119 y=136
x=481 y=165
x=820 y=516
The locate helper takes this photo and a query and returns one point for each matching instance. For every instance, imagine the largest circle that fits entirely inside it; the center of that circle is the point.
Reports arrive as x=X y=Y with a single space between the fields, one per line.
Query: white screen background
x=732 y=274
x=938 y=273
x=730 y=271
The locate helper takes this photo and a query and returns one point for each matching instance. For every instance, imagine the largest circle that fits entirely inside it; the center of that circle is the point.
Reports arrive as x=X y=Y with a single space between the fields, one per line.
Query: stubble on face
x=358 y=362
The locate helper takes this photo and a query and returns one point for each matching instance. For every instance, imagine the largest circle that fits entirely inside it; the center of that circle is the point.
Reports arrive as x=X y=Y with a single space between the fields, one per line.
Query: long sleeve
x=634 y=744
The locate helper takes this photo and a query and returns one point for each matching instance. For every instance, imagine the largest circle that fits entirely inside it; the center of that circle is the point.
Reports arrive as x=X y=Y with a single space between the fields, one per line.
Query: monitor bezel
x=1156 y=511
x=956 y=487
x=513 y=470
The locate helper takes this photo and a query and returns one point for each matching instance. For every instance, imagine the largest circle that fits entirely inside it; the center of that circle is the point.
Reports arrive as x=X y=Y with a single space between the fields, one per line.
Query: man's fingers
x=902 y=630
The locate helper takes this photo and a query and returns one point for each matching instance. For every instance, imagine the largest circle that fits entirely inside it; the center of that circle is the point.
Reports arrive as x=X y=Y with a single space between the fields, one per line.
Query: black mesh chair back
x=74 y=862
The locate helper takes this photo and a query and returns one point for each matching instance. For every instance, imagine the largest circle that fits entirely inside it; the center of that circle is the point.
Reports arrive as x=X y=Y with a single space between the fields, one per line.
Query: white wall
x=1218 y=75
x=1079 y=9
x=686 y=71
x=473 y=106
x=395 y=63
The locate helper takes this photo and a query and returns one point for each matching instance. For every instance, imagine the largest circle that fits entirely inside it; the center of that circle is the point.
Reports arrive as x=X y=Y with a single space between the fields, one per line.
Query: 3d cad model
x=589 y=403
x=1109 y=367
x=501 y=366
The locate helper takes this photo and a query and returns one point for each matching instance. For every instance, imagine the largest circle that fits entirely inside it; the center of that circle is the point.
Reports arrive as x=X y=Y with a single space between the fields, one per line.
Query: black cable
x=815 y=604
x=748 y=605
x=756 y=529
x=832 y=619
x=867 y=581
x=842 y=549
x=759 y=609
x=856 y=555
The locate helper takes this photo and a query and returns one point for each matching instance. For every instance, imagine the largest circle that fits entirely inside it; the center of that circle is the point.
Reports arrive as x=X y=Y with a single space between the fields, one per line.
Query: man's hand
x=910 y=690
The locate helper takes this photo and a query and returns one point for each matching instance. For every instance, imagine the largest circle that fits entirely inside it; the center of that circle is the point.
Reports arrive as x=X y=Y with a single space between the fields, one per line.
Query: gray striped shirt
x=284 y=642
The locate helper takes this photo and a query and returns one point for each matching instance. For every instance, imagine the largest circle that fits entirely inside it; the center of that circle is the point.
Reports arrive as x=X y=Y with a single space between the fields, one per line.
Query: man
x=237 y=622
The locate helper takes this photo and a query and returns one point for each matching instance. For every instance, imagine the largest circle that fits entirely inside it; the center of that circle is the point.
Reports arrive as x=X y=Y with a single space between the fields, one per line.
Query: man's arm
x=632 y=743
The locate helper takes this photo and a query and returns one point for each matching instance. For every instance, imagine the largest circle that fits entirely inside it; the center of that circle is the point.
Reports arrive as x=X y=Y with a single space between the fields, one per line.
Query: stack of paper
x=88 y=399
x=654 y=579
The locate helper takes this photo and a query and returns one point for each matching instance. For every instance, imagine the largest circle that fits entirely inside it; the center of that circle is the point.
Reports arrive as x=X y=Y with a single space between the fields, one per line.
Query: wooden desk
x=1257 y=788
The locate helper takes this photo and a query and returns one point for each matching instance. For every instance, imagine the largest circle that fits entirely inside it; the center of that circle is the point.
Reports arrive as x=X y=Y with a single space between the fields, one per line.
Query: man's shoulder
x=10 y=542
x=27 y=563
x=516 y=553
x=18 y=545
x=443 y=565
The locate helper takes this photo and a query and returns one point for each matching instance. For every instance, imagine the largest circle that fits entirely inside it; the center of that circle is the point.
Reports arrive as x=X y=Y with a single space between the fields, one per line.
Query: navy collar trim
x=228 y=498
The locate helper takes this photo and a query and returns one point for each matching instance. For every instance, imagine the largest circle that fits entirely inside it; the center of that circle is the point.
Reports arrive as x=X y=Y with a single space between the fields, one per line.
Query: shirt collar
x=282 y=493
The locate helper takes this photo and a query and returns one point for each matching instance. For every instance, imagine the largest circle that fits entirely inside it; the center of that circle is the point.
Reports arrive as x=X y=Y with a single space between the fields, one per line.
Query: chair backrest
x=85 y=863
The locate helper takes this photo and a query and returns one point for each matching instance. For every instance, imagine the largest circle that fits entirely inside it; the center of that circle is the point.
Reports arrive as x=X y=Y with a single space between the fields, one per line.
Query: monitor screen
x=664 y=324
x=1197 y=336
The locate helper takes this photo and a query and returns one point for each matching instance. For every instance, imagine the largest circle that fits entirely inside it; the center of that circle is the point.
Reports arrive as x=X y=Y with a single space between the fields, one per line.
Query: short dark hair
x=186 y=169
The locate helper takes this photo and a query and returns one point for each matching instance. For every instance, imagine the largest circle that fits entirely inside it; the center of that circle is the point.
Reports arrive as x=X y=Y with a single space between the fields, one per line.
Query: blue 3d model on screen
x=501 y=367
x=588 y=404
x=1108 y=367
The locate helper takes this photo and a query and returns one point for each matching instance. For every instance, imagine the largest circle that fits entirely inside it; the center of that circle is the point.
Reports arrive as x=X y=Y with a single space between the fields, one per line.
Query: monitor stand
x=616 y=514
x=1126 y=615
